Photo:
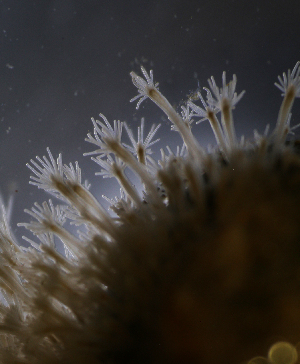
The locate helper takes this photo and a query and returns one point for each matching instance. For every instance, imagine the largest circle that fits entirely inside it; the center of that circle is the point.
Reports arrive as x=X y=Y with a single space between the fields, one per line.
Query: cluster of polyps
x=203 y=267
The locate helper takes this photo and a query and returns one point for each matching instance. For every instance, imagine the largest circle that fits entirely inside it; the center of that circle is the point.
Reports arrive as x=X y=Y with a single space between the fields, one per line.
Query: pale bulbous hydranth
x=202 y=266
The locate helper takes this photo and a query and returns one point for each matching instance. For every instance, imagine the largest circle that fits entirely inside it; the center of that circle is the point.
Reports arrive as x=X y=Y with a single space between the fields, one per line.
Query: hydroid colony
x=203 y=267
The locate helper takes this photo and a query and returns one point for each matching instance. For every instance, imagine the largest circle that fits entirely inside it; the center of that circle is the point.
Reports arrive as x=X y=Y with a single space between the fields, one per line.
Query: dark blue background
x=63 y=61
